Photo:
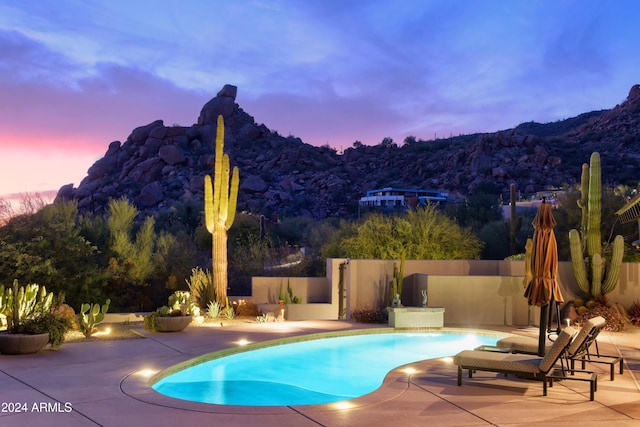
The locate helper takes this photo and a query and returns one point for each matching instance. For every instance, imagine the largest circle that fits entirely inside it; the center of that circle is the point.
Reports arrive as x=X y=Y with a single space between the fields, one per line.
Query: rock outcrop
x=158 y=166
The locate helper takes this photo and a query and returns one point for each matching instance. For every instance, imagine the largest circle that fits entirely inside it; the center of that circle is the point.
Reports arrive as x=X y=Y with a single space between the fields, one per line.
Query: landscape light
x=147 y=373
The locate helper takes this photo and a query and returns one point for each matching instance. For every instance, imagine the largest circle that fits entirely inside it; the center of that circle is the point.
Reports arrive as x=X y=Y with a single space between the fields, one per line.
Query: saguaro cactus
x=220 y=200
x=594 y=277
x=514 y=224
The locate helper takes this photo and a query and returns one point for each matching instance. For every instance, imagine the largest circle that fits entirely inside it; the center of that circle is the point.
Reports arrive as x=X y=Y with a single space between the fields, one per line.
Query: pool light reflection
x=106 y=331
x=147 y=373
x=342 y=405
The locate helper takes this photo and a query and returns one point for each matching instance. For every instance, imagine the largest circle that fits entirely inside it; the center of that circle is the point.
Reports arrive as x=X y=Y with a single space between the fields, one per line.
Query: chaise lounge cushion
x=521 y=344
x=495 y=361
x=582 y=342
x=518 y=363
x=529 y=345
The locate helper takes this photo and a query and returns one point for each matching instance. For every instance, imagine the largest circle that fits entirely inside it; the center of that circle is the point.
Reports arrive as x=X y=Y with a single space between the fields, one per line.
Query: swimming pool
x=310 y=372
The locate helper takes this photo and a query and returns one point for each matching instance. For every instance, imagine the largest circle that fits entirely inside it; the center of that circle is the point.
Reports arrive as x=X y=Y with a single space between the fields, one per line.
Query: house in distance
x=399 y=199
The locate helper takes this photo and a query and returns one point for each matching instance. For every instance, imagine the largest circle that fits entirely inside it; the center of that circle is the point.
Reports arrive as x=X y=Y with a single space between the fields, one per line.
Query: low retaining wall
x=123 y=317
x=318 y=311
x=416 y=317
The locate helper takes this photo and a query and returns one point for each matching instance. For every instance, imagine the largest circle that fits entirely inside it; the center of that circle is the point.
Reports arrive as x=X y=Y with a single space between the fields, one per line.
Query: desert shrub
x=201 y=286
x=247 y=308
x=423 y=233
x=55 y=325
x=67 y=312
x=150 y=321
x=634 y=313
x=369 y=315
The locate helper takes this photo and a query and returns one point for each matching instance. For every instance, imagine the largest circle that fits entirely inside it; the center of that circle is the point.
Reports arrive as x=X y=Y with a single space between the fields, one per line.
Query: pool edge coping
x=139 y=387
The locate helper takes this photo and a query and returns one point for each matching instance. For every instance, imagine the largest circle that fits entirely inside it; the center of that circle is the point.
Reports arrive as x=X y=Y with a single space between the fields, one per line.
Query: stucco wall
x=473 y=292
x=266 y=290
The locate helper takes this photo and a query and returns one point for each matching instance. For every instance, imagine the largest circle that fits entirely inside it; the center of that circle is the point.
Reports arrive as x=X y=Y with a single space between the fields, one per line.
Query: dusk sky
x=77 y=75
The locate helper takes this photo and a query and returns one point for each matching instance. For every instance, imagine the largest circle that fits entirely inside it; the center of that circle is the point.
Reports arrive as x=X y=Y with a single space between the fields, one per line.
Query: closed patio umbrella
x=543 y=289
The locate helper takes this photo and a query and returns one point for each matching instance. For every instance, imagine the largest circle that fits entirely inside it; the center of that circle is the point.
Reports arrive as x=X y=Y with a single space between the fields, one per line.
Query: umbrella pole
x=555 y=331
x=542 y=338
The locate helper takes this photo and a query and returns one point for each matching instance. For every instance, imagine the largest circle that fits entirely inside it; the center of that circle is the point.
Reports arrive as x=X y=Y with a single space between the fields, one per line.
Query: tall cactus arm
x=613 y=272
x=208 y=203
x=577 y=262
x=223 y=197
x=597 y=268
x=583 y=203
x=594 y=239
x=514 y=224
x=219 y=165
x=233 y=197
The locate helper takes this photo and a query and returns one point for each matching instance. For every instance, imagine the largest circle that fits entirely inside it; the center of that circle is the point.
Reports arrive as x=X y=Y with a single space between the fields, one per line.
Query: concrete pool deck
x=99 y=383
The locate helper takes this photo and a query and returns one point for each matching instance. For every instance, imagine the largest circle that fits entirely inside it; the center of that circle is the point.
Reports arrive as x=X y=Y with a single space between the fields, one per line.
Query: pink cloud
x=45 y=109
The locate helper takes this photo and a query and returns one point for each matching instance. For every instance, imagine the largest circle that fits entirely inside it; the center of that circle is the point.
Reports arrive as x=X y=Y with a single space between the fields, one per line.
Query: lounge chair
x=585 y=355
x=529 y=345
x=578 y=350
x=522 y=365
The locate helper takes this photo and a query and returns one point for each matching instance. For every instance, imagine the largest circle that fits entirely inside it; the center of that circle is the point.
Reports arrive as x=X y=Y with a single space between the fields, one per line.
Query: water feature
x=310 y=372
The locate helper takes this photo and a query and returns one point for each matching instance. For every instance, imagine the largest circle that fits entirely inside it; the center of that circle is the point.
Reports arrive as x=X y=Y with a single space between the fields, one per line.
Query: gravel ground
x=107 y=332
x=125 y=331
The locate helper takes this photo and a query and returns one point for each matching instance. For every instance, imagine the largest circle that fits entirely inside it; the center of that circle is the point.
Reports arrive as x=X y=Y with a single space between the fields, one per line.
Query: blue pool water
x=310 y=372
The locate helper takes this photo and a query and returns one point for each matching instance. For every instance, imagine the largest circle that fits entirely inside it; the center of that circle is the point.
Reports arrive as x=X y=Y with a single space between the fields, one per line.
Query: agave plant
x=213 y=309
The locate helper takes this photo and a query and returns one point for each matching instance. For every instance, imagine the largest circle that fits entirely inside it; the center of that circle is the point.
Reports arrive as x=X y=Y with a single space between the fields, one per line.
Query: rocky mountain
x=158 y=166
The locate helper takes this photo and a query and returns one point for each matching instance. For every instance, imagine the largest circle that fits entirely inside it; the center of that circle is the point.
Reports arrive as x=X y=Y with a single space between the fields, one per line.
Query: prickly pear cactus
x=594 y=275
x=181 y=301
x=91 y=315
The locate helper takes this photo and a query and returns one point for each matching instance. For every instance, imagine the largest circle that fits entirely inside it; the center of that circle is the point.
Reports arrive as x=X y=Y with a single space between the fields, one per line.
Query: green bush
x=150 y=321
x=55 y=325
x=423 y=233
